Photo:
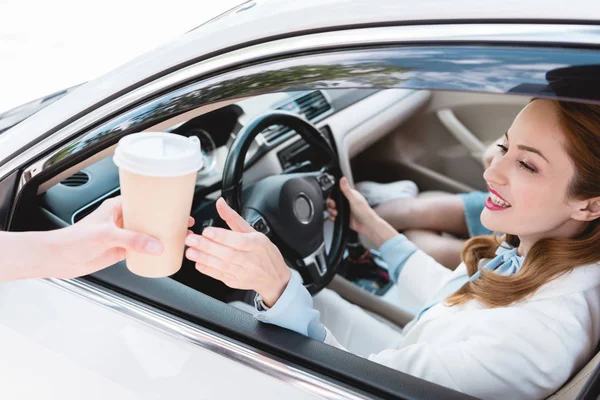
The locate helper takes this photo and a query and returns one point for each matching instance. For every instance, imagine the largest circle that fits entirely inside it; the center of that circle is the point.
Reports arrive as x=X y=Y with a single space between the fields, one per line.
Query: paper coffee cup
x=157 y=171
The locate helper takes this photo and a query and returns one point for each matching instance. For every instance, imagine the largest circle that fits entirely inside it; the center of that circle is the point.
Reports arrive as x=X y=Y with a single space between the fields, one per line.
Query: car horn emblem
x=304 y=209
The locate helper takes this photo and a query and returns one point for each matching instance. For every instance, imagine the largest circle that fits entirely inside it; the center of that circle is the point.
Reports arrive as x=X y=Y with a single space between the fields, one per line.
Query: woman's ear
x=588 y=210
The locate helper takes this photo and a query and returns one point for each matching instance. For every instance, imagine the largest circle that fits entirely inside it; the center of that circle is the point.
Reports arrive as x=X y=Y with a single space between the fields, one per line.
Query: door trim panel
x=461 y=133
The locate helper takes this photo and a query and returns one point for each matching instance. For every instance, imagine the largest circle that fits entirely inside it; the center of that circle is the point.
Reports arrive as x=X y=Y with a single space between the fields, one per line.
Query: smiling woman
x=551 y=217
x=551 y=201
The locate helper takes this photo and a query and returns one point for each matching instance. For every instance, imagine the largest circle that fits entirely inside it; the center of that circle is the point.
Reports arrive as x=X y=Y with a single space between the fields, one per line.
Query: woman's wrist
x=380 y=231
x=271 y=294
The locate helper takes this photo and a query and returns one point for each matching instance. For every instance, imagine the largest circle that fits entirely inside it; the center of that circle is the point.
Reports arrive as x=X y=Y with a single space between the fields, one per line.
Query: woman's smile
x=492 y=203
x=495 y=202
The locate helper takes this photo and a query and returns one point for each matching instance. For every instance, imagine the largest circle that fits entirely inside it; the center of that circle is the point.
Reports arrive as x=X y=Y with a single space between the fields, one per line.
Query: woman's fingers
x=203 y=258
x=201 y=245
x=233 y=219
x=191 y=222
x=227 y=264
x=332 y=214
x=331 y=205
x=236 y=240
x=346 y=189
x=354 y=196
x=331 y=209
x=218 y=274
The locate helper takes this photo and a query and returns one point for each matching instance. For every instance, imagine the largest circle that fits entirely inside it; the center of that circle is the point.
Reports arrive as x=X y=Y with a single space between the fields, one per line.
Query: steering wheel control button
x=326 y=181
x=304 y=209
x=317 y=263
x=260 y=225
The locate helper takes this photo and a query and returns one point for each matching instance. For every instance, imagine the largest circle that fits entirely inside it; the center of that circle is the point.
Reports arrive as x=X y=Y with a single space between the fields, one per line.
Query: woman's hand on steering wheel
x=362 y=216
x=363 y=219
x=241 y=258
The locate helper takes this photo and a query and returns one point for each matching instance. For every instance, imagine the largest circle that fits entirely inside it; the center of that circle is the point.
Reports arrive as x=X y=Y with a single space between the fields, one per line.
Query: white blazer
x=527 y=350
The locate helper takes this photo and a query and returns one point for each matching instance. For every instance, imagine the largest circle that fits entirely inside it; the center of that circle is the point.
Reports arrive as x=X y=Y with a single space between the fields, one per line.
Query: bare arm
x=23 y=253
x=92 y=244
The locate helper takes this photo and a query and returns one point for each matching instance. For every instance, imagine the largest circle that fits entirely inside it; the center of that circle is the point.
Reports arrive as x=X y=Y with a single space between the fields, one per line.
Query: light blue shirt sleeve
x=395 y=252
x=294 y=311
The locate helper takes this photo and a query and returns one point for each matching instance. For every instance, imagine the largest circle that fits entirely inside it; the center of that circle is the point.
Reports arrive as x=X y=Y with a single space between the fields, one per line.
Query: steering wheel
x=290 y=208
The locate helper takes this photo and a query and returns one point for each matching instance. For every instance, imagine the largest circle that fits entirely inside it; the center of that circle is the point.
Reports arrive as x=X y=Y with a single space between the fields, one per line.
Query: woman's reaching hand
x=241 y=258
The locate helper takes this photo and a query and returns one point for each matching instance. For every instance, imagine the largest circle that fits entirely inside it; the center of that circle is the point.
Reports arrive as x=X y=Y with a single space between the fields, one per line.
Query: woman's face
x=529 y=178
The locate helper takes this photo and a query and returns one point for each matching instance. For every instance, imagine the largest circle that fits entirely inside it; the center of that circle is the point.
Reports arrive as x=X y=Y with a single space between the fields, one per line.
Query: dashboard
x=217 y=129
x=273 y=151
x=349 y=119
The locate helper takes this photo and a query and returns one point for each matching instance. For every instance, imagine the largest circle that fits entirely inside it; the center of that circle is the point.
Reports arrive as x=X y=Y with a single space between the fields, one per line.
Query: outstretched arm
x=93 y=243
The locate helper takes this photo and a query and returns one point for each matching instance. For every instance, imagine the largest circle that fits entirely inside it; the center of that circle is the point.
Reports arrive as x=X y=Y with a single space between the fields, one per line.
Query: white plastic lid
x=158 y=154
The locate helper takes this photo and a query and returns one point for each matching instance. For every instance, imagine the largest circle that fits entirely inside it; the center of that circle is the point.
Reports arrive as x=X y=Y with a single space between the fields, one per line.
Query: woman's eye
x=522 y=164
x=503 y=148
x=526 y=167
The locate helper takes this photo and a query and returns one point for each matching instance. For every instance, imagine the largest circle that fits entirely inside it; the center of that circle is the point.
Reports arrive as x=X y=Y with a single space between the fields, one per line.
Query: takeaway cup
x=158 y=172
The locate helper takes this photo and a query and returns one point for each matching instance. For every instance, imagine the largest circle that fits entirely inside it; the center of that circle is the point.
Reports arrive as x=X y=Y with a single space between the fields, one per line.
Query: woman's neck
x=568 y=230
x=524 y=247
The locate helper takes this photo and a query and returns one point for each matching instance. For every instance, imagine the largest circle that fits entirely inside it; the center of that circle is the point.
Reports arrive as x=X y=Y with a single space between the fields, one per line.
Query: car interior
x=433 y=138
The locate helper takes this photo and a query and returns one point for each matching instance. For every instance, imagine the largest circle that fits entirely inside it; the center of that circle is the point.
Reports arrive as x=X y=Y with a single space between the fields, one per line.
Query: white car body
x=57 y=345
x=69 y=340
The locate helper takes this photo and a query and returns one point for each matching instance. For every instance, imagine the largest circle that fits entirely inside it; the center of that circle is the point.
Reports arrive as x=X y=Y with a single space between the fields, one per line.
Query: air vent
x=311 y=105
x=78 y=179
x=273 y=132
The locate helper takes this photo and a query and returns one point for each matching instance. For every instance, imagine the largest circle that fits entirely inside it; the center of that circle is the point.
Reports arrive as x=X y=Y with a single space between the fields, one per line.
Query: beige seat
x=572 y=388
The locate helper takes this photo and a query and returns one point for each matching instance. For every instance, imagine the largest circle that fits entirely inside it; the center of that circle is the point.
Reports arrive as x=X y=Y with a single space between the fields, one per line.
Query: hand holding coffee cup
x=157 y=172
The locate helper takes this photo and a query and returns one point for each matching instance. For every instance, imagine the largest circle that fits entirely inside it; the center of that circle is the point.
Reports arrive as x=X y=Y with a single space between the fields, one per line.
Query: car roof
x=253 y=21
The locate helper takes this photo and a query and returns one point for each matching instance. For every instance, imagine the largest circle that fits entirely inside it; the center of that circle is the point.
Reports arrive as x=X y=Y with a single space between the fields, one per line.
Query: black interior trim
x=7 y=190
x=346 y=368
